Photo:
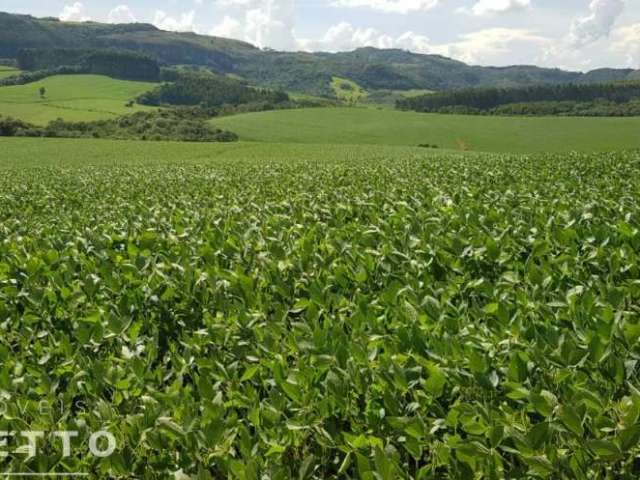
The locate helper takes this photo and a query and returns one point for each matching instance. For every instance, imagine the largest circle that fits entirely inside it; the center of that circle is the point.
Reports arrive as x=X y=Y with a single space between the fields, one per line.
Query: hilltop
x=312 y=73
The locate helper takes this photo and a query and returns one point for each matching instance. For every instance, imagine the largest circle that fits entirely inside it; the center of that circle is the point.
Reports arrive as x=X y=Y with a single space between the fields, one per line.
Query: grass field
x=379 y=127
x=250 y=311
x=71 y=97
x=8 y=72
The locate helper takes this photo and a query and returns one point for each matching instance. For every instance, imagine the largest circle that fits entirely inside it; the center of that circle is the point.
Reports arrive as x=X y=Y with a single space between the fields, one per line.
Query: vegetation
x=183 y=125
x=458 y=132
x=600 y=108
x=126 y=65
x=74 y=98
x=22 y=78
x=303 y=72
x=6 y=71
x=355 y=312
x=348 y=91
x=8 y=63
x=212 y=91
x=570 y=99
x=389 y=98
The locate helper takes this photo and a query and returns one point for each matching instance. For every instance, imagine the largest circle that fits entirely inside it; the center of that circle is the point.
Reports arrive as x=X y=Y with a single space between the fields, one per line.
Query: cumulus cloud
x=496 y=46
x=597 y=24
x=489 y=46
x=229 y=28
x=484 y=7
x=184 y=23
x=346 y=37
x=589 y=30
x=74 y=13
x=268 y=23
x=121 y=14
x=389 y=6
x=626 y=40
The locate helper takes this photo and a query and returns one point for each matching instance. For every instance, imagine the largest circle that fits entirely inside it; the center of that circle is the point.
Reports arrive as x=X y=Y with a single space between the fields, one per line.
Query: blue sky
x=575 y=34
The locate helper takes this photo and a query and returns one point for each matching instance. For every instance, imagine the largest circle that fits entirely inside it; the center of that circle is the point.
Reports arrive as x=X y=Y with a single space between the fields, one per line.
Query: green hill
x=302 y=72
x=8 y=72
x=72 y=98
x=388 y=127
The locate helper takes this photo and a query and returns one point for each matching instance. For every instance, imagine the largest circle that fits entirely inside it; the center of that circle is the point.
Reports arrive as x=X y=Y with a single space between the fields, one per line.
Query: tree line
x=186 y=125
x=564 y=99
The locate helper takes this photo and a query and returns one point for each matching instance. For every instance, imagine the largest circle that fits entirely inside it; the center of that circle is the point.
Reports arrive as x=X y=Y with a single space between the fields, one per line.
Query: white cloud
x=74 y=13
x=121 y=14
x=183 y=24
x=490 y=46
x=496 y=46
x=346 y=37
x=590 y=30
x=267 y=23
x=484 y=7
x=626 y=40
x=228 y=28
x=597 y=24
x=238 y=3
x=389 y=6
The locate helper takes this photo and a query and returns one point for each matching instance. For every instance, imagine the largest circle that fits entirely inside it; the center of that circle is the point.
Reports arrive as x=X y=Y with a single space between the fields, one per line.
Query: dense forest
x=122 y=64
x=210 y=91
x=568 y=99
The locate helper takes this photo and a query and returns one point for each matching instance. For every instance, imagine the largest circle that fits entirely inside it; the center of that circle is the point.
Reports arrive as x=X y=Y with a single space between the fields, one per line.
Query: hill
x=312 y=73
x=72 y=98
x=388 y=127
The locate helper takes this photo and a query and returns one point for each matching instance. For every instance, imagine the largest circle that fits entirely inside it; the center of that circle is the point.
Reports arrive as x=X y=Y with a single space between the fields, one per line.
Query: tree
x=43 y=92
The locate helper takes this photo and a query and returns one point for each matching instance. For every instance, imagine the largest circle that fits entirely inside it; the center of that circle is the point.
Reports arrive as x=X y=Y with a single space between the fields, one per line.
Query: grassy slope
x=373 y=126
x=8 y=72
x=348 y=90
x=71 y=97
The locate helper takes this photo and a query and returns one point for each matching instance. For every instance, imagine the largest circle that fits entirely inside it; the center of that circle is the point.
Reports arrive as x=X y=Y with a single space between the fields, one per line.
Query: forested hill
x=602 y=99
x=371 y=68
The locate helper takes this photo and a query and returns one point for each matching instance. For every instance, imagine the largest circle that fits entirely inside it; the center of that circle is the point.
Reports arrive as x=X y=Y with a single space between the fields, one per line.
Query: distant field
x=390 y=127
x=71 y=97
x=8 y=72
x=48 y=152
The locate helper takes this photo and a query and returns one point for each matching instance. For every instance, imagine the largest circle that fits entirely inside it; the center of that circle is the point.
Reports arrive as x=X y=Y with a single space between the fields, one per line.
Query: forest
x=208 y=90
x=605 y=99
x=122 y=64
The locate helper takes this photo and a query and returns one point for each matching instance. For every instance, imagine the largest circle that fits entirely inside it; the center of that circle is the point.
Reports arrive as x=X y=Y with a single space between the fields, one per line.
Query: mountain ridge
x=308 y=72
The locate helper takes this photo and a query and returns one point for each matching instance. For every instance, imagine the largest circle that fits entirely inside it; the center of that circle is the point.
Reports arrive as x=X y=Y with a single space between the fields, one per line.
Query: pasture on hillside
x=456 y=132
x=281 y=311
x=72 y=98
x=348 y=91
x=8 y=72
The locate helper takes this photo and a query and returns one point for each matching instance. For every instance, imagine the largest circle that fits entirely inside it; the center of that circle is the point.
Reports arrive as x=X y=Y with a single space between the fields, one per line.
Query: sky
x=570 y=34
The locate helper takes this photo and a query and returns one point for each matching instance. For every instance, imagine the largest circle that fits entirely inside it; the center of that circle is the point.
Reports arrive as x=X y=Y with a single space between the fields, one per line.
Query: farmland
x=282 y=311
x=72 y=98
x=387 y=127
